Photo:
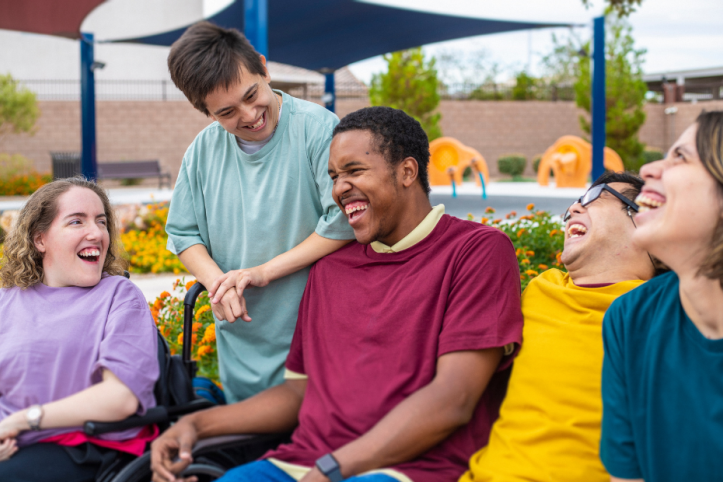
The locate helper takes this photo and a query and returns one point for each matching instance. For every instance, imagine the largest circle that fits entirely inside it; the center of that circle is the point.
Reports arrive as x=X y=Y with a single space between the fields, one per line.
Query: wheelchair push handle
x=189 y=303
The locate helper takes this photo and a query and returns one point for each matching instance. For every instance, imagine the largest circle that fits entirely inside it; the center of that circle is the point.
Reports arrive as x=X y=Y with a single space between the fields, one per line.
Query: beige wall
x=163 y=130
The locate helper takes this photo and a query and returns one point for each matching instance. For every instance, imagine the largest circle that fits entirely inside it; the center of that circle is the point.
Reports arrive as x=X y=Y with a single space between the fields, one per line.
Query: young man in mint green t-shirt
x=252 y=206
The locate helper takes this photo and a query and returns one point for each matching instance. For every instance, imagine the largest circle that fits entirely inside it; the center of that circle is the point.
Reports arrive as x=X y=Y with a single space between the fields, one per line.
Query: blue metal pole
x=598 y=99
x=482 y=180
x=330 y=91
x=256 y=22
x=88 y=161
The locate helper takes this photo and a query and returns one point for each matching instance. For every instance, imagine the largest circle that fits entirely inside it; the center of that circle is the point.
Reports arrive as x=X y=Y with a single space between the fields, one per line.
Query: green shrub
x=536 y=162
x=512 y=164
x=17 y=176
x=652 y=155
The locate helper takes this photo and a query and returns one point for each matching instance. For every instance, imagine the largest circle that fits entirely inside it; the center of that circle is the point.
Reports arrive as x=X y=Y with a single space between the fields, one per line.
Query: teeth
x=89 y=253
x=579 y=230
x=356 y=208
x=258 y=124
x=646 y=204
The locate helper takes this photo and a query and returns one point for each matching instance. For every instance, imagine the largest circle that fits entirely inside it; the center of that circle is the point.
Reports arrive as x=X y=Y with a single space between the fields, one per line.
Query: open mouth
x=258 y=125
x=89 y=255
x=355 y=210
x=646 y=202
x=576 y=230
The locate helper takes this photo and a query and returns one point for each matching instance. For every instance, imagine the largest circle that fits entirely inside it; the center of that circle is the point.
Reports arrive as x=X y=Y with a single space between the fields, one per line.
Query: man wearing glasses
x=549 y=425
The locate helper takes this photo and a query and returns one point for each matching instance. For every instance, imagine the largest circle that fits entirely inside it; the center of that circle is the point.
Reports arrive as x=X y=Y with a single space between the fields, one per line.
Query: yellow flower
x=531 y=272
x=201 y=311
x=180 y=338
x=530 y=207
x=209 y=336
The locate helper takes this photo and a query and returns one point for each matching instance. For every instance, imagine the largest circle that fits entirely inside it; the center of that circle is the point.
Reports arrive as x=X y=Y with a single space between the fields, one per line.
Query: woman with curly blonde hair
x=77 y=341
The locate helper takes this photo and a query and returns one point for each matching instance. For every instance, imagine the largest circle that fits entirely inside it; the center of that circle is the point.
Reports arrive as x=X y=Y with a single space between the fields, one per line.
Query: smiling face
x=680 y=206
x=598 y=234
x=75 y=247
x=248 y=109
x=367 y=188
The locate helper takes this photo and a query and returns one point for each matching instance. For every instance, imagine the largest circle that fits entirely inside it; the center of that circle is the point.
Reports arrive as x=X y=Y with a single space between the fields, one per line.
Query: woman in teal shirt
x=663 y=371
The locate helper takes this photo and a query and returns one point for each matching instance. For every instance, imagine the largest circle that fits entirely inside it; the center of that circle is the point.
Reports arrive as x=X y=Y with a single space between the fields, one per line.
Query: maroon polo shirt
x=372 y=325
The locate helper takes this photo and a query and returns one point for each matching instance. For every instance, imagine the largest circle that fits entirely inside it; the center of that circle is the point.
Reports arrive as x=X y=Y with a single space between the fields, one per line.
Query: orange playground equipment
x=449 y=158
x=570 y=159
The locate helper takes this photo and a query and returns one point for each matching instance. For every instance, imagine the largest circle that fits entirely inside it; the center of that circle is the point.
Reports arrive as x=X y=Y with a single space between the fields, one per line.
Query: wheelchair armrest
x=221 y=442
x=152 y=415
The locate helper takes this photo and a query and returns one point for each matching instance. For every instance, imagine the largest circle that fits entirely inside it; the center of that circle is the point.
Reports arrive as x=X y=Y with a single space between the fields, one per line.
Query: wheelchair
x=175 y=397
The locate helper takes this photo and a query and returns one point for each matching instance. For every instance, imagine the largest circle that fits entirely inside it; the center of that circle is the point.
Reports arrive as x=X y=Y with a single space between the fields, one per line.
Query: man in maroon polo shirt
x=401 y=352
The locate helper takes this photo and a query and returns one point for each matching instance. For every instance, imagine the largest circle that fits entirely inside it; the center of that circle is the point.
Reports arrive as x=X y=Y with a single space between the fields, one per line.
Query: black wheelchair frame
x=175 y=397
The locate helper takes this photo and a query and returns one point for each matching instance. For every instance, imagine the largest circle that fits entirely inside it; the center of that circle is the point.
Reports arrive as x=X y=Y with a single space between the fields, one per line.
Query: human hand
x=12 y=425
x=236 y=281
x=315 y=476
x=7 y=448
x=177 y=441
x=229 y=308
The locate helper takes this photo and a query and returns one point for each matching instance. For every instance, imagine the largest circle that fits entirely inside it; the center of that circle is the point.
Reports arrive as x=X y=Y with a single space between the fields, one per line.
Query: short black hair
x=627 y=177
x=208 y=56
x=395 y=134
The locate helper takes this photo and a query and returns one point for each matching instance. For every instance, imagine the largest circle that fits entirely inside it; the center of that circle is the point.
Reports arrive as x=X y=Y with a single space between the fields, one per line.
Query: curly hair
x=22 y=263
x=395 y=134
x=709 y=143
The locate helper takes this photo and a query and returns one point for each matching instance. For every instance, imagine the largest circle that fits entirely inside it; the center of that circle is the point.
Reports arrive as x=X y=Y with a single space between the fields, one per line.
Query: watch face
x=34 y=413
x=326 y=464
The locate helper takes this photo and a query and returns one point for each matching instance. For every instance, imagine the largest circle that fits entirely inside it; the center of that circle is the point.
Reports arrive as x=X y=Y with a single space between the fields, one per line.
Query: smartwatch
x=33 y=417
x=330 y=467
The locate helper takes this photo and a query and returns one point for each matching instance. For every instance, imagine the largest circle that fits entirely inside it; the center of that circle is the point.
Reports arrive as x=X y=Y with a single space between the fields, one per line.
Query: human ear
x=267 y=76
x=409 y=171
x=39 y=242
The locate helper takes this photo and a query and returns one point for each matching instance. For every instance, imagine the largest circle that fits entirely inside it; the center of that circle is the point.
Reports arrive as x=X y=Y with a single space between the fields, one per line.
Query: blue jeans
x=265 y=471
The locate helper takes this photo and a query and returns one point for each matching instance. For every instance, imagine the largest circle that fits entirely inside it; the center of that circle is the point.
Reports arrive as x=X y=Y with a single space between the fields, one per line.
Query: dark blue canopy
x=329 y=34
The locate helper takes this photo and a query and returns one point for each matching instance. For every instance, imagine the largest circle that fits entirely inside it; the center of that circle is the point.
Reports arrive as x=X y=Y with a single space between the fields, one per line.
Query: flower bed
x=144 y=239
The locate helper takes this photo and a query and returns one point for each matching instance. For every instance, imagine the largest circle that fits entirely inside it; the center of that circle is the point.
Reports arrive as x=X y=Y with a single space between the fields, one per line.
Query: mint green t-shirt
x=247 y=209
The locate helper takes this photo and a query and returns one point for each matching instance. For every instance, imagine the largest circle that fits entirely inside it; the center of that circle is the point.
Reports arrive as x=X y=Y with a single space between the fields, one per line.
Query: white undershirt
x=252 y=147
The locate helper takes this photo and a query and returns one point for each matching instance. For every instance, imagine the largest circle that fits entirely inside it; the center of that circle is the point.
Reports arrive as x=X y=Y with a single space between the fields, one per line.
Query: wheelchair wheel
x=140 y=471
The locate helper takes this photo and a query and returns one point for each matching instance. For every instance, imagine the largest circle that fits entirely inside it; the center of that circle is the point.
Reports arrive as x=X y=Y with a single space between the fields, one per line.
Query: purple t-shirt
x=55 y=342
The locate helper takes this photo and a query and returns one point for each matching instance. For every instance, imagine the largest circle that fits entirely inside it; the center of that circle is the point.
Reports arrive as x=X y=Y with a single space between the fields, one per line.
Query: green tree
x=18 y=107
x=622 y=7
x=410 y=84
x=625 y=91
x=525 y=87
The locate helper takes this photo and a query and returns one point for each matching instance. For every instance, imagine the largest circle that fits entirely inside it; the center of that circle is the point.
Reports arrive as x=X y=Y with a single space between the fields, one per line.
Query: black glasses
x=593 y=193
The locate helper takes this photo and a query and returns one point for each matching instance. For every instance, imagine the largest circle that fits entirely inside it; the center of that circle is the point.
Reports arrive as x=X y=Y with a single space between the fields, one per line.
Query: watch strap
x=33 y=416
x=328 y=466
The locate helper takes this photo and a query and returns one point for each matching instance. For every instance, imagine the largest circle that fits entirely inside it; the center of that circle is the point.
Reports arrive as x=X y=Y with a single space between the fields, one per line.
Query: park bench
x=67 y=164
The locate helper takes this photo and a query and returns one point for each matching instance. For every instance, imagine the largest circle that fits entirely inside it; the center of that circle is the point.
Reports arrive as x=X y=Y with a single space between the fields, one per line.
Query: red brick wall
x=163 y=130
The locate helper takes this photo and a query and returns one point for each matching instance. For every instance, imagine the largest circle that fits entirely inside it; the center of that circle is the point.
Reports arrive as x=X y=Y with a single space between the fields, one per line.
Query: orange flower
x=558 y=256
x=553 y=232
x=542 y=266
x=189 y=284
x=512 y=214
x=521 y=232
x=530 y=253
x=176 y=283
x=209 y=336
x=158 y=304
x=180 y=338
x=531 y=272
x=196 y=326
x=496 y=221
x=519 y=251
x=201 y=311
x=530 y=207
x=522 y=277
x=525 y=261
x=165 y=295
x=489 y=210
x=204 y=350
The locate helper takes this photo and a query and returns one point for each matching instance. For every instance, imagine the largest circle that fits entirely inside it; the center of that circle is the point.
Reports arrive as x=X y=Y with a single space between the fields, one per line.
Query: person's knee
x=259 y=471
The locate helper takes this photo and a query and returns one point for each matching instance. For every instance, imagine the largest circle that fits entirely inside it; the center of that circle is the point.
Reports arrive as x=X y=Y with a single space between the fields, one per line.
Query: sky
x=677 y=35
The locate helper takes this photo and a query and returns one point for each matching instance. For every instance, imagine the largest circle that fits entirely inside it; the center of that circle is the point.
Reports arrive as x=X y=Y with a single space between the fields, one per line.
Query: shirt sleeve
x=295 y=358
x=182 y=225
x=129 y=348
x=332 y=223
x=617 y=445
x=483 y=307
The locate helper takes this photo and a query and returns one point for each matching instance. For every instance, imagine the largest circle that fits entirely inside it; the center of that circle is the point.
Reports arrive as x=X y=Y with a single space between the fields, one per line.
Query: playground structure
x=450 y=158
x=570 y=159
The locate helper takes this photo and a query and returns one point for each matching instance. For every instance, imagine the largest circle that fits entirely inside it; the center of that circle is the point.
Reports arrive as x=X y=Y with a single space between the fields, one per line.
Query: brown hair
x=22 y=263
x=207 y=57
x=709 y=142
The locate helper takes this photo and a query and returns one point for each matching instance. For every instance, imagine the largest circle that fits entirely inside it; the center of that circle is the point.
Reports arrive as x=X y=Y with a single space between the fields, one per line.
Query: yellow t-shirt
x=549 y=425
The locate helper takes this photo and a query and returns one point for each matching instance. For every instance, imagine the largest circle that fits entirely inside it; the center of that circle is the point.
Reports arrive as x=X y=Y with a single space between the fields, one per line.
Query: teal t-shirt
x=662 y=388
x=247 y=209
